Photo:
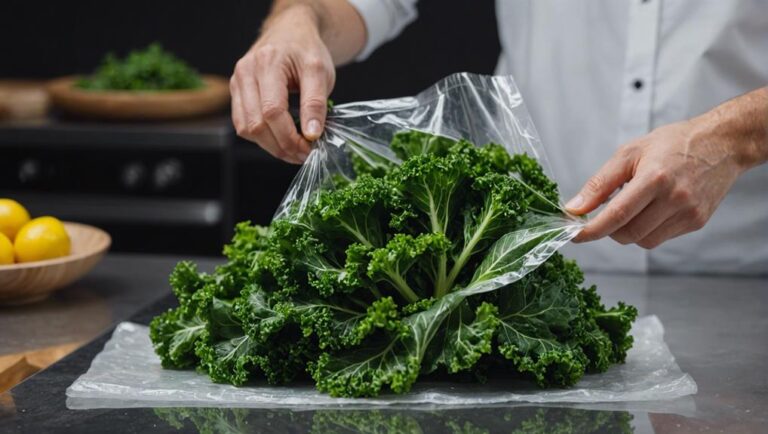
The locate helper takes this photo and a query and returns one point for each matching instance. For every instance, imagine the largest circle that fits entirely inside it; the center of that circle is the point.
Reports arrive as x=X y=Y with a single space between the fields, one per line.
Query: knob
x=168 y=173
x=133 y=175
x=29 y=171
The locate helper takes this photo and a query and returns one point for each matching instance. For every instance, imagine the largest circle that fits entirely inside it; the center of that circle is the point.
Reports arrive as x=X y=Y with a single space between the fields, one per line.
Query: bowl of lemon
x=40 y=255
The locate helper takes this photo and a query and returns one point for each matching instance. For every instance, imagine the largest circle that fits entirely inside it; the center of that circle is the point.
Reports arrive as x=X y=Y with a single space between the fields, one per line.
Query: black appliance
x=155 y=187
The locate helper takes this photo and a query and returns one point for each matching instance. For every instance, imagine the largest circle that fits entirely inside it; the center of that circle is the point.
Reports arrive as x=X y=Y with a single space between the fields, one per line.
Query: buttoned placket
x=638 y=86
x=639 y=69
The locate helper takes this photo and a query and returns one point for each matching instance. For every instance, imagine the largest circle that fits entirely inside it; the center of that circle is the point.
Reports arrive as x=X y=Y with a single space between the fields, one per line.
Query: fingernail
x=580 y=237
x=313 y=127
x=575 y=203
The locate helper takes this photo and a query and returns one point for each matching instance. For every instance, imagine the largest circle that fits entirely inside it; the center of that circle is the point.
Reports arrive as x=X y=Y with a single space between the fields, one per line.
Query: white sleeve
x=384 y=20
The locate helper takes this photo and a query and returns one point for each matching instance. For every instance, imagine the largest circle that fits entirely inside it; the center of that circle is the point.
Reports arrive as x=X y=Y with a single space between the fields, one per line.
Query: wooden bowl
x=139 y=105
x=34 y=281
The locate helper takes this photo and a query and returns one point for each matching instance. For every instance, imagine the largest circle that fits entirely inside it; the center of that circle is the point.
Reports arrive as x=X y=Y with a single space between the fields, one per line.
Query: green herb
x=149 y=69
x=379 y=282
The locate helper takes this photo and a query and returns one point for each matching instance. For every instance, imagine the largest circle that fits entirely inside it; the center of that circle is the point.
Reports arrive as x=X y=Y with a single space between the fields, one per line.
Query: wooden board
x=14 y=368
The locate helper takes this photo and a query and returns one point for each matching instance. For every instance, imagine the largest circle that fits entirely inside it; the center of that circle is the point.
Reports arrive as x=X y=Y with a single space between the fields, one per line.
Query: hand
x=675 y=178
x=289 y=55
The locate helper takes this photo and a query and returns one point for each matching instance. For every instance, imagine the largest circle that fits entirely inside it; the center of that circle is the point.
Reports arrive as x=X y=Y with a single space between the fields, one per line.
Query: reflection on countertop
x=517 y=420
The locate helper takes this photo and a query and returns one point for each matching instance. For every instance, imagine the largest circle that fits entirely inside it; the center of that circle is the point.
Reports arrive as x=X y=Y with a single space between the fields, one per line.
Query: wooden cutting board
x=14 y=368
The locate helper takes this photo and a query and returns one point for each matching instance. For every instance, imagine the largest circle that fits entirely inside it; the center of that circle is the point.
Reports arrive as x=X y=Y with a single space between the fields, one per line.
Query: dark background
x=42 y=40
x=48 y=39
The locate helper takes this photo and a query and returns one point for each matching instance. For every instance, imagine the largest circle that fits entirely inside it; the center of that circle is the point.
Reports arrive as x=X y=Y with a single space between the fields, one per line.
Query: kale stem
x=441 y=288
x=466 y=253
x=356 y=234
x=403 y=288
x=376 y=293
x=359 y=302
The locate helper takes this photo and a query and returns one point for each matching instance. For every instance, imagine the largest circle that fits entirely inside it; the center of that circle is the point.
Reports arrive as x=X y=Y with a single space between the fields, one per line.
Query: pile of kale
x=398 y=274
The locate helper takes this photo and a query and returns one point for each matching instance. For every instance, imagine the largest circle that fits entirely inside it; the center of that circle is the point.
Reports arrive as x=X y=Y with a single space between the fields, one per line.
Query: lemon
x=6 y=250
x=12 y=217
x=40 y=239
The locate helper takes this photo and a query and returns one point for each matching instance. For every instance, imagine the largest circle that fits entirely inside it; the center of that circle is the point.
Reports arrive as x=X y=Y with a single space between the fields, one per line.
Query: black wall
x=48 y=39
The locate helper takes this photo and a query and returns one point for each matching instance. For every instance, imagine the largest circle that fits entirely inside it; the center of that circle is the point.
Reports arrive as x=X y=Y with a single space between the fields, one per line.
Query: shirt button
x=637 y=84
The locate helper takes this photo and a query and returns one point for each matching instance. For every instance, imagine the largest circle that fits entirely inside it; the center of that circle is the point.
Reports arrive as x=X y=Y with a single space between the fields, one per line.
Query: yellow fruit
x=40 y=239
x=6 y=250
x=12 y=217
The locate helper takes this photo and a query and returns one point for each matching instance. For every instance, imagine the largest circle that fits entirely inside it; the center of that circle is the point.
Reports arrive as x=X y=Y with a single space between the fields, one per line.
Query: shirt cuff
x=384 y=20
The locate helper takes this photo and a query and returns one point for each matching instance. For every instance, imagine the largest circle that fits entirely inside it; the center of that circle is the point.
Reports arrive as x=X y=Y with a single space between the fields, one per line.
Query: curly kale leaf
x=392 y=360
x=371 y=161
x=434 y=186
x=175 y=338
x=394 y=262
x=466 y=337
x=407 y=144
x=498 y=212
x=534 y=314
x=511 y=255
x=543 y=193
x=355 y=211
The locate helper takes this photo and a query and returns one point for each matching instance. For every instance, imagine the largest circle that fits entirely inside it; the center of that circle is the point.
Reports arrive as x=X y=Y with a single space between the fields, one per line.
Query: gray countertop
x=717 y=327
x=117 y=288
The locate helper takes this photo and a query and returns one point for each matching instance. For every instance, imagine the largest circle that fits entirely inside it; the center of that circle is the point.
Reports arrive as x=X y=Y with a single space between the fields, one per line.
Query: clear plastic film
x=478 y=108
x=127 y=373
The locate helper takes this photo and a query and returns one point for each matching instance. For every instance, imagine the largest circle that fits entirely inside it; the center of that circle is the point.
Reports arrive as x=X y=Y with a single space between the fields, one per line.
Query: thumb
x=614 y=173
x=313 y=101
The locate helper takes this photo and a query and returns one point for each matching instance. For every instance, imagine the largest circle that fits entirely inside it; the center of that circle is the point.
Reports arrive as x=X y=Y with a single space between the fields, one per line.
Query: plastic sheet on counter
x=127 y=374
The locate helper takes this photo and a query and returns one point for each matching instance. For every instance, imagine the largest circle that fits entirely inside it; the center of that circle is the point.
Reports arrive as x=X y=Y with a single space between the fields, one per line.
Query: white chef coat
x=596 y=74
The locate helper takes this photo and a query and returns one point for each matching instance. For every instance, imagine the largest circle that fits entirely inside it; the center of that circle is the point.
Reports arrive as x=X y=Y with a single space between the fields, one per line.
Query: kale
x=152 y=68
x=394 y=276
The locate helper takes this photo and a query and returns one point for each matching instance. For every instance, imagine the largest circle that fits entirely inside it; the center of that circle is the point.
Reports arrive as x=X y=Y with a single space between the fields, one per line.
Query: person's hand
x=675 y=178
x=289 y=55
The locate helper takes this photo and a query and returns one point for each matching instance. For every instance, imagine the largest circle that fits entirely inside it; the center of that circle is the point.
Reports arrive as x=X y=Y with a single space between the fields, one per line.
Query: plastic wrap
x=478 y=108
x=481 y=109
x=127 y=373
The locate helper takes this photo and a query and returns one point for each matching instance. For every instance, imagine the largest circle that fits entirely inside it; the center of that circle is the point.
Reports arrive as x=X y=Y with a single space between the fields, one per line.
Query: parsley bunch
x=152 y=68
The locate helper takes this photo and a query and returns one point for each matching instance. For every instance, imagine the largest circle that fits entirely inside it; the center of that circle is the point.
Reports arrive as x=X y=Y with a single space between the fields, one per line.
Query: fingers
x=645 y=222
x=687 y=219
x=238 y=117
x=614 y=173
x=621 y=209
x=670 y=228
x=273 y=87
x=313 y=95
x=651 y=209
x=248 y=120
